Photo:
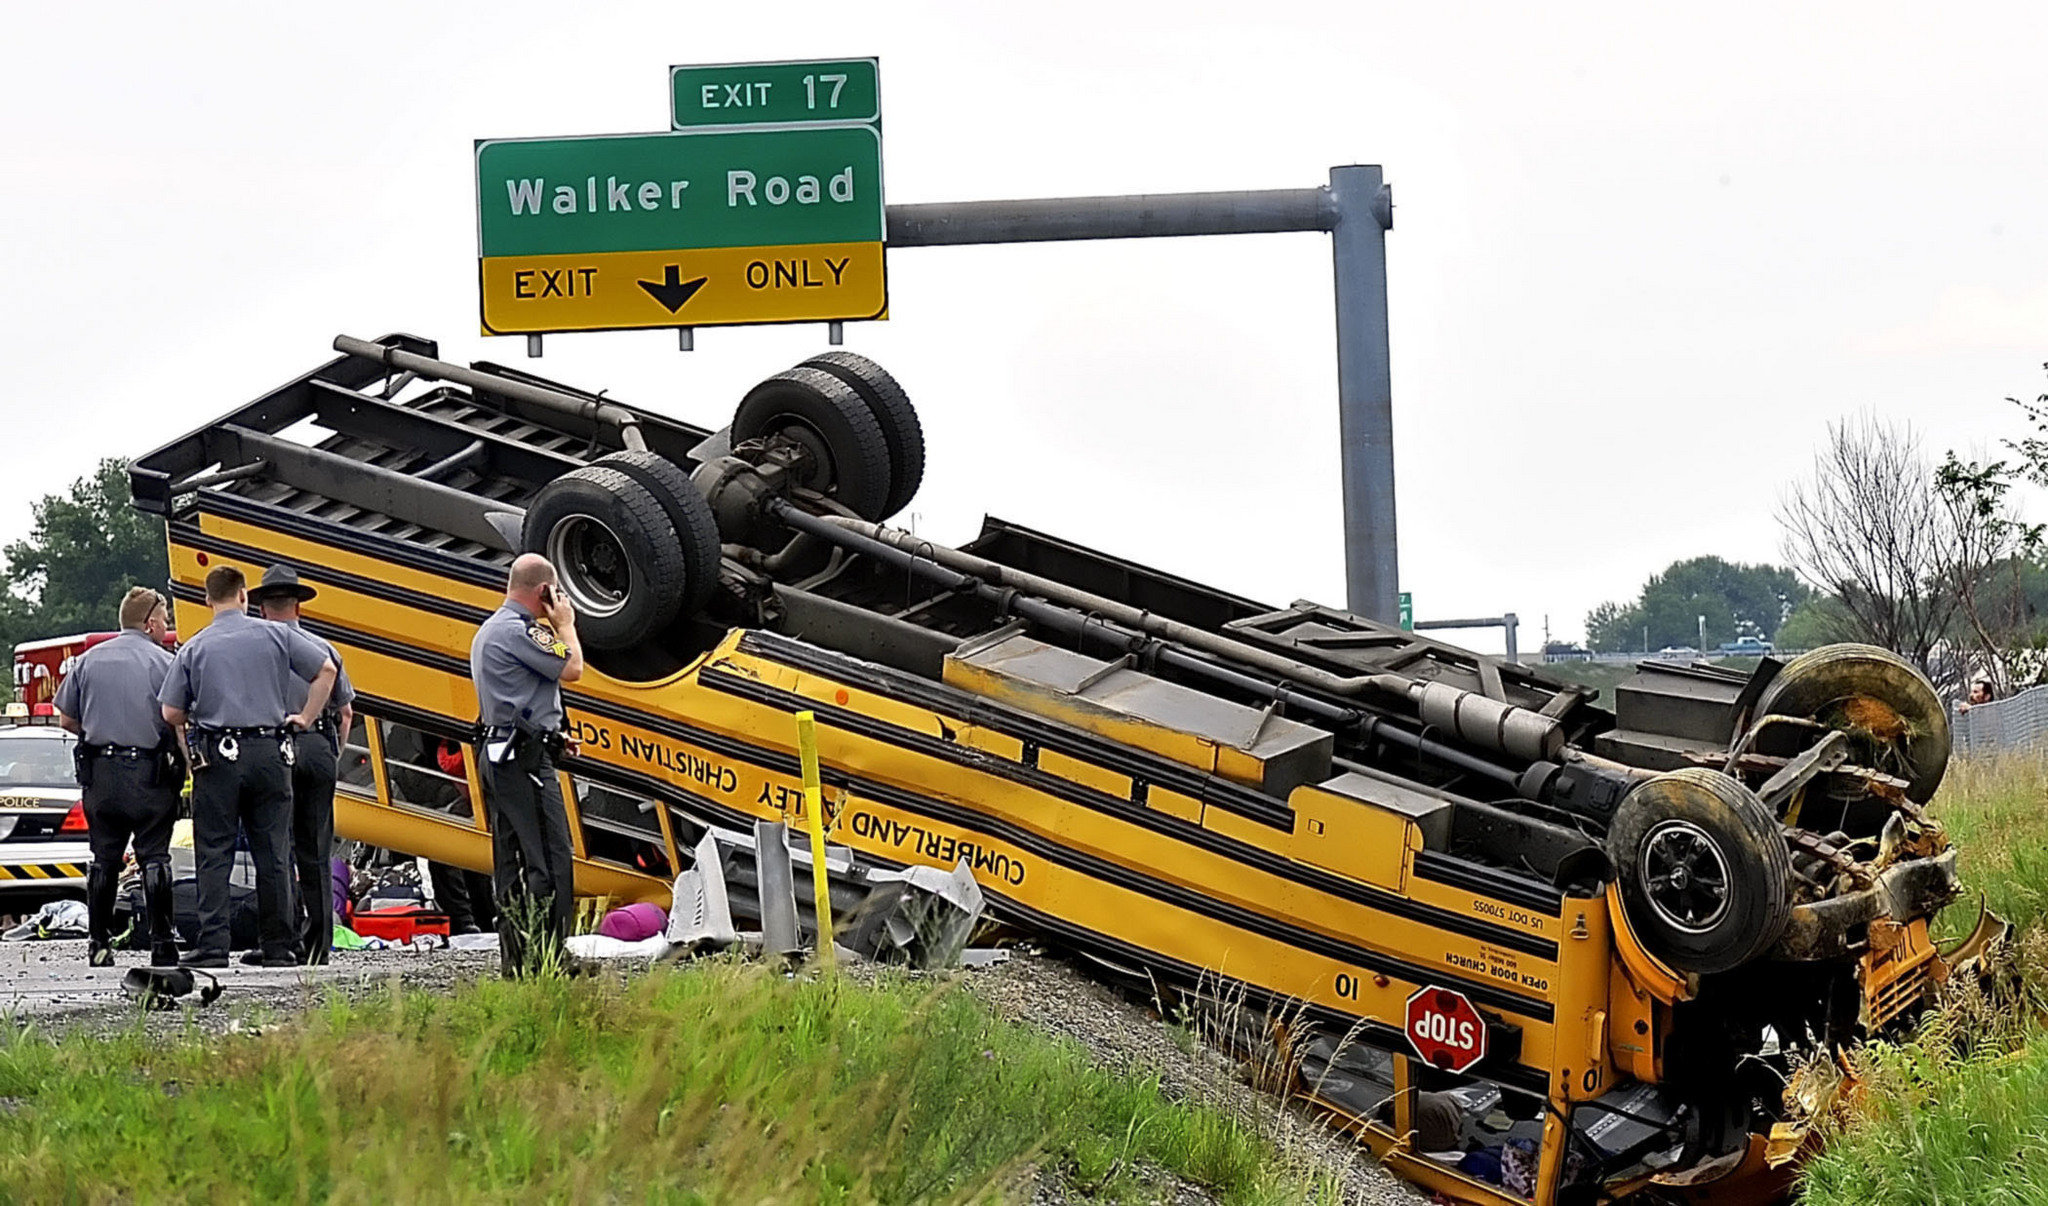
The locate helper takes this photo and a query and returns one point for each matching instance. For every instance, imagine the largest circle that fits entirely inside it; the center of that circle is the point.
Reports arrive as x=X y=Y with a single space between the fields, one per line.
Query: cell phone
x=547 y=595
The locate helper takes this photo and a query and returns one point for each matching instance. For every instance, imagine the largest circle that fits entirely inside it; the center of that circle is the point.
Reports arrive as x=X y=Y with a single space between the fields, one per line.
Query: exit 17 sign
x=776 y=220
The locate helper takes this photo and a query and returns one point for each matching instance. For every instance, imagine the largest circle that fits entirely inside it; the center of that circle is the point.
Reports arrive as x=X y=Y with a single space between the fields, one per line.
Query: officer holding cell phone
x=230 y=685
x=521 y=655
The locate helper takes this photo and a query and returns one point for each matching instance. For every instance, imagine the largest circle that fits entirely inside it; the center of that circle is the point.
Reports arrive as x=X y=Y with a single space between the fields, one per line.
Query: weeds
x=1955 y=1114
x=720 y=1083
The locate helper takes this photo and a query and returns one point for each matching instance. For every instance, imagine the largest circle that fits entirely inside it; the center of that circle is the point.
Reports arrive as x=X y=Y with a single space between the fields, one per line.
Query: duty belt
x=489 y=735
x=278 y=731
x=117 y=751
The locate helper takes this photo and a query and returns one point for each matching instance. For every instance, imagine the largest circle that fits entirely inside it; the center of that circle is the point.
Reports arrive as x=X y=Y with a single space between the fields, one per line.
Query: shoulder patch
x=543 y=636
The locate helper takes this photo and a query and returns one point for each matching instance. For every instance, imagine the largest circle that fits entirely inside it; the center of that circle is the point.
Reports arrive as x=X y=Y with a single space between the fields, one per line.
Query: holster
x=166 y=769
x=82 y=757
x=198 y=749
x=526 y=749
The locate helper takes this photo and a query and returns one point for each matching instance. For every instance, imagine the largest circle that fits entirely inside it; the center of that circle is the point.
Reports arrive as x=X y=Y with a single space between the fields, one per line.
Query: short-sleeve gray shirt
x=516 y=662
x=111 y=691
x=297 y=689
x=238 y=671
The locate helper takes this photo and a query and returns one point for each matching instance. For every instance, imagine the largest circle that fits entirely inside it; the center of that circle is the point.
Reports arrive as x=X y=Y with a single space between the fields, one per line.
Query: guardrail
x=1637 y=656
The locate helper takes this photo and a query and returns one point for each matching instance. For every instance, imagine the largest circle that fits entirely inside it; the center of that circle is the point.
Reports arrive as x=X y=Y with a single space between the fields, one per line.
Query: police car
x=43 y=851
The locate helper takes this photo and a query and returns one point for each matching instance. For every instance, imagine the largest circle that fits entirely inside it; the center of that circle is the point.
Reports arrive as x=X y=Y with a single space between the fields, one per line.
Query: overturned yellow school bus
x=1603 y=937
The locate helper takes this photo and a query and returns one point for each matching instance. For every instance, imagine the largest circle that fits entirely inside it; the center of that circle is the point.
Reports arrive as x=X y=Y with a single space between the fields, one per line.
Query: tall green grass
x=1959 y=1115
x=1997 y=812
x=717 y=1084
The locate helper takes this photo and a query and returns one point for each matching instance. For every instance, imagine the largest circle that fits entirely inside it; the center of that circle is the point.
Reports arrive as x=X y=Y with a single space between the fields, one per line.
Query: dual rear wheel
x=636 y=544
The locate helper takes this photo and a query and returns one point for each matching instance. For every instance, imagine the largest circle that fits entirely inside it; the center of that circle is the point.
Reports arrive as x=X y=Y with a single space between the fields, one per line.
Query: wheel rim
x=591 y=562
x=1684 y=876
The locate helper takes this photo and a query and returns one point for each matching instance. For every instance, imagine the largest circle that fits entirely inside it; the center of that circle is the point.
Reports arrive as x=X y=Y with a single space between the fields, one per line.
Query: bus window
x=418 y=767
x=354 y=770
x=620 y=828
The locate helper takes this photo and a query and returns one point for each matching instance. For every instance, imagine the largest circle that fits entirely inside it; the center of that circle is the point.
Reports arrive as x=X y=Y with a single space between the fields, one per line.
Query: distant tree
x=1986 y=570
x=1869 y=525
x=1614 y=628
x=1821 y=620
x=83 y=551
x=1737 y=600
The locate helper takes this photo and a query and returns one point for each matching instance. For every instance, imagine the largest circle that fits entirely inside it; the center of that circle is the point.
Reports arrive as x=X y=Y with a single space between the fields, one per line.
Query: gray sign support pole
x=1357 y=210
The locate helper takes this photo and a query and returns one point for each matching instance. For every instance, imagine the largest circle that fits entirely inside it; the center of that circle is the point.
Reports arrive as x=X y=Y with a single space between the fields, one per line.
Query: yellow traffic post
x=814 y=820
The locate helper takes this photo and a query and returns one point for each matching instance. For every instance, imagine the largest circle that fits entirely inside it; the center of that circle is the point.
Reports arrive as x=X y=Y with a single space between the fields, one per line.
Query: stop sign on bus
x=1445 y=1029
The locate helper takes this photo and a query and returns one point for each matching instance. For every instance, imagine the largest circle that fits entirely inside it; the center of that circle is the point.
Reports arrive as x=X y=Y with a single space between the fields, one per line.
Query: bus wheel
x=893 y=412
x=846 y=457
x=614 y=551
x=1887 y=707
x=1705 y=873
x=689 y=513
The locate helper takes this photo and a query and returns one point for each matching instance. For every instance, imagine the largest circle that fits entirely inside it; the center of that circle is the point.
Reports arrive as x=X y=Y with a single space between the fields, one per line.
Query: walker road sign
x=778 y=224
x=748 y=94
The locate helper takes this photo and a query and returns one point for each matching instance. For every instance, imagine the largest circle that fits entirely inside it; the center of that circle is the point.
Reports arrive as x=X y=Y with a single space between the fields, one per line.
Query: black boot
x=156 y=901
x=101 y=883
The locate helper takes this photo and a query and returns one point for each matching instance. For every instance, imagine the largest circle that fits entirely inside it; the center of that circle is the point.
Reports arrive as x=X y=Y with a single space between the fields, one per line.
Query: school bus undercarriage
x=1652 y=914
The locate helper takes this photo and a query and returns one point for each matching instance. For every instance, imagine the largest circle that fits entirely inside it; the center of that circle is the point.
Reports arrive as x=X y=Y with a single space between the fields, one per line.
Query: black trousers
x=465 y=896
x=532 y=864
x=254 y=791
x=125 y=804
x=313 y=773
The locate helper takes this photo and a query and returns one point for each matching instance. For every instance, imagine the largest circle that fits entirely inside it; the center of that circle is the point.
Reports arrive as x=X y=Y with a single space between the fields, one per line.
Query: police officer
x=130 y=768
x=316 y=753
x=521 y=655
x=230 y=684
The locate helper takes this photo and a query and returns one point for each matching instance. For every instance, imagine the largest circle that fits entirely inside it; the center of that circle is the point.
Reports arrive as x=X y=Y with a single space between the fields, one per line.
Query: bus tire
x=1705 y=873
x=689 y=513
x=893 y=412
x=615 y=553
x=848 y=454
x=1880 y=699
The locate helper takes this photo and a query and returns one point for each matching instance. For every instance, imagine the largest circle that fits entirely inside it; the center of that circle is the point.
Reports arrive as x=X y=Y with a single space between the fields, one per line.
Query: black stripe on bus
x=1430 y=865
x=1084 y=864
x=288 y=522
x=190 y=536
x=1132 y=813
x=940 y=697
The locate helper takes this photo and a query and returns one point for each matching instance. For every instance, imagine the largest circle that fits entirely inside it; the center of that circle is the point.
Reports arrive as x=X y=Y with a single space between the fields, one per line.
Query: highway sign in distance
x=1445 y=1029
x=667 y=230
x=735 y=94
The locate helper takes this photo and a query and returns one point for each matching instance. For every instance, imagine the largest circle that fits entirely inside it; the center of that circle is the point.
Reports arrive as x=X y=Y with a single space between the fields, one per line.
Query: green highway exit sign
x=763 y=204
x=752 y=94
x=647 y=192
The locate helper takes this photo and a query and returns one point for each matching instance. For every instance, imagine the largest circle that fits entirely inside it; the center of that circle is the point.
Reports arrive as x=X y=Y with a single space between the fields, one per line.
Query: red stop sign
x=1445 y=1030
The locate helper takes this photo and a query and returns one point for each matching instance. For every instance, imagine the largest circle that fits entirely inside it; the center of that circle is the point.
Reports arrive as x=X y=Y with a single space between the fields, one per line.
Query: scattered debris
x=56 y=919
x=162 y=987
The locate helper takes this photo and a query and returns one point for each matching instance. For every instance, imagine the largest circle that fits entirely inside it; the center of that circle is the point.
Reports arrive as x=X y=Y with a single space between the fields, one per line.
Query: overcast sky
x=1641 y=256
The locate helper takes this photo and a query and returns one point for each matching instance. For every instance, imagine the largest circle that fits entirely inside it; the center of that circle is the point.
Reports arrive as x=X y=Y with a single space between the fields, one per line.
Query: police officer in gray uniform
x=315 y=755
x=129 y=766
x=230 y=683
x=521 y=655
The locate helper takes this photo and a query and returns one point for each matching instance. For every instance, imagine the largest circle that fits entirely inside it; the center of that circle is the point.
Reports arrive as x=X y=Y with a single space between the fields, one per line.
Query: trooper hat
x=281 y=579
